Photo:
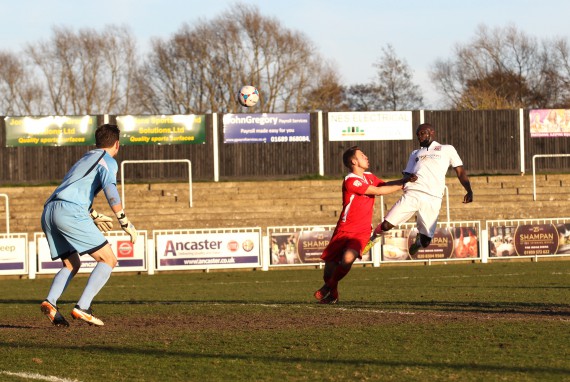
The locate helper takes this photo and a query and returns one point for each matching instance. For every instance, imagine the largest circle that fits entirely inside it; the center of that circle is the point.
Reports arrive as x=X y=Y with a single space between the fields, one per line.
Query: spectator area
x=286 y=203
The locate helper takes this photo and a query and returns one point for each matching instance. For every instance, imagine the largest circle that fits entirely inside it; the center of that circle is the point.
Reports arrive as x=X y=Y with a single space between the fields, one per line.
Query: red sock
x=337 y=275
x=327 y=275
x=334 y=293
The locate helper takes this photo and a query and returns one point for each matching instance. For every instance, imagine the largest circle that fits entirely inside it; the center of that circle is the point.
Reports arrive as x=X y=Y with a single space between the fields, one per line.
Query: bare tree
x=560 y=62
x=20 y=94
x=363 y=97
x=498 y=90
x=503 y=68
x=201 y=68
x=86 y=72
x=394 y=85
x=328 y=95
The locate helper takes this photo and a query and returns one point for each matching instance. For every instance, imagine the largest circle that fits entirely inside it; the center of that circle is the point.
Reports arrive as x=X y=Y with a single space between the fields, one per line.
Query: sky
x=349 y=34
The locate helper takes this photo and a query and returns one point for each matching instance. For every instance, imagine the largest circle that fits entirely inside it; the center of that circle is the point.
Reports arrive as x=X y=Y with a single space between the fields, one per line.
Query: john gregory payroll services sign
x=267 y=128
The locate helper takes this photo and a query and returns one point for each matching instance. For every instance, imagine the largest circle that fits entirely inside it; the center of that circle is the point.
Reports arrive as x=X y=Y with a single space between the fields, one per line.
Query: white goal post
x=157 y=161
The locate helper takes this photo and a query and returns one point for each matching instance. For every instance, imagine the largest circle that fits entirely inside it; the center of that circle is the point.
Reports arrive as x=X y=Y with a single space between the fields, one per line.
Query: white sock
x=58 y=285
x=97 y=280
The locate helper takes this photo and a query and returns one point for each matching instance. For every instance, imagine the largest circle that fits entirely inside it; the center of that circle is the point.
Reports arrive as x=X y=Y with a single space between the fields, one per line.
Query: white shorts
x=426 y=206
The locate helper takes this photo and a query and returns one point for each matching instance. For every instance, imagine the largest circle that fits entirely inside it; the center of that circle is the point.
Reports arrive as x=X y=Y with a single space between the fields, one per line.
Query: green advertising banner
x=50 y=131
x=162 y=129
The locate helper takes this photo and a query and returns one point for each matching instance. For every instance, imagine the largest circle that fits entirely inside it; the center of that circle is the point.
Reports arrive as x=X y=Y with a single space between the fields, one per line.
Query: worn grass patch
x=467 y=322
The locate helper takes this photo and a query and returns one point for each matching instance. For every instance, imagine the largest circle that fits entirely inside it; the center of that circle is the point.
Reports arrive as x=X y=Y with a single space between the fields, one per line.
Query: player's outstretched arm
x=391 y=186
x=464 y=180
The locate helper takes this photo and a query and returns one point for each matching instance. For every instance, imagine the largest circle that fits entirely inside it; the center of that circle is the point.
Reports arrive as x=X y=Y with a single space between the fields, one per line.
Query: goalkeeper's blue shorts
x=69 y=228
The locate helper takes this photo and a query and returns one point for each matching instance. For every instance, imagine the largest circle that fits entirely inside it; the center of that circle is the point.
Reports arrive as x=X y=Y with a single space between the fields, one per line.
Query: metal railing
x=7 y=212
x=534 y=168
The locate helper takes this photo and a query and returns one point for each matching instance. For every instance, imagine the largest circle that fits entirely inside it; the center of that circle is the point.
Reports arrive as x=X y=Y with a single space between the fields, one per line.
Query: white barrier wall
x=528 y=238
x=131 y=257
x=300 y=245
x=227 y=248
x=14 y=254
x=453 y=241
x=208 y=248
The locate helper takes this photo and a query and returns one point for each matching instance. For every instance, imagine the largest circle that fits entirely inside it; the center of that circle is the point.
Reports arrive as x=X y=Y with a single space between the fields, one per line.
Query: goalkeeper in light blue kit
x=73 y=228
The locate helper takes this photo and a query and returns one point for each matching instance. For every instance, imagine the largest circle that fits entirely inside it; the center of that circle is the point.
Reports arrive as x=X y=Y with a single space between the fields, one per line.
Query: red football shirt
x=357 y=208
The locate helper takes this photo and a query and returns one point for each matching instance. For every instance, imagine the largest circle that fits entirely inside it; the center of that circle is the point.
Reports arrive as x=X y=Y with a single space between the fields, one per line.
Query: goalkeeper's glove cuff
x=126 y=225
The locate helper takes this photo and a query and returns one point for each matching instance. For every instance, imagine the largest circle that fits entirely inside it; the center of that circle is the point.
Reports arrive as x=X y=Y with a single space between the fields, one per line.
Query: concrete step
x=289 y=203
x=294 y=198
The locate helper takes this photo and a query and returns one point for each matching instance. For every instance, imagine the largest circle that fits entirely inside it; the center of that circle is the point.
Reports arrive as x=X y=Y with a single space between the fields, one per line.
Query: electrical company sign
x=370 y=126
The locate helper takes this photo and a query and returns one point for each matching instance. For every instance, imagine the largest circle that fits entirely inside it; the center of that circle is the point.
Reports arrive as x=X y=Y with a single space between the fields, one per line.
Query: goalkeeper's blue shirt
x=95 y=171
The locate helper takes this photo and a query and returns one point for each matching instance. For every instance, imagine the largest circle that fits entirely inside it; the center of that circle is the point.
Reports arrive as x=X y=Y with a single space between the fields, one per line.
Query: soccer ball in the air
x=248 y=96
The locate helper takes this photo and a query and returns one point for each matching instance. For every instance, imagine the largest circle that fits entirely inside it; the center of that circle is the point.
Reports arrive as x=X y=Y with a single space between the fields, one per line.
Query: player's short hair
x=106 y=135
x=349 y=155
x=425 y=126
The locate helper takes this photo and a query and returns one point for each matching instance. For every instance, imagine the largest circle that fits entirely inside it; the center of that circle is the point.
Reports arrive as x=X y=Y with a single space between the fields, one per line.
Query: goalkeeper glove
x=103 y=222
x=126 y=225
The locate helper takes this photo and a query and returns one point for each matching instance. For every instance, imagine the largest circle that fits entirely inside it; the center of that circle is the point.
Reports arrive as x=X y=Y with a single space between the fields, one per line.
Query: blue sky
x=350 y=34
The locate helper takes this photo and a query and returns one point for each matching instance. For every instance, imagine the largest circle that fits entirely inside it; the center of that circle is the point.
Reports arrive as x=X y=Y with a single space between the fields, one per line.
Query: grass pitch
x=461 y=322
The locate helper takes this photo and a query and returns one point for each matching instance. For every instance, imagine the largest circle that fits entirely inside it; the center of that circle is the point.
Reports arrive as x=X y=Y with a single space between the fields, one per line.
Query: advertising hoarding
x=200 y=250
x=370 y=126
x=267 y=128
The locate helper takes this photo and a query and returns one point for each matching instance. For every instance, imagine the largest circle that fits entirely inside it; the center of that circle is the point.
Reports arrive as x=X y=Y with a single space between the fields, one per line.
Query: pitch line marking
x=361 y=279
x=483 y=316
x=401 y=313
x=38 y=377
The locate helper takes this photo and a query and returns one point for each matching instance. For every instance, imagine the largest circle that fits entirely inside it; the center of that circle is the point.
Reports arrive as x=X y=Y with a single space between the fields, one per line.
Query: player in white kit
x=423 y=197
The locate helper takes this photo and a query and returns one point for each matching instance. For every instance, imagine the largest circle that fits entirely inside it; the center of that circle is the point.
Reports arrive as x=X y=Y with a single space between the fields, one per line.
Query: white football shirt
x=430 y=165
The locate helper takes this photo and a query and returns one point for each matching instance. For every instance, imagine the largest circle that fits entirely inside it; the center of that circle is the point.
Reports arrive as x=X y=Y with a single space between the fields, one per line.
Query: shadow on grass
x=489 y=308
x=123 y=351
x=531 y=308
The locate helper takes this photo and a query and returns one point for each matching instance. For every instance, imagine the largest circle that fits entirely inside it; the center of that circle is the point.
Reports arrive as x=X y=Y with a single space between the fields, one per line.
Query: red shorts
x=341 y=241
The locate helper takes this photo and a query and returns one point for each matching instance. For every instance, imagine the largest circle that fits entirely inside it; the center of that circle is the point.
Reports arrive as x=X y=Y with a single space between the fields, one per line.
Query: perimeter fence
x=292 y=246
x=489 y=142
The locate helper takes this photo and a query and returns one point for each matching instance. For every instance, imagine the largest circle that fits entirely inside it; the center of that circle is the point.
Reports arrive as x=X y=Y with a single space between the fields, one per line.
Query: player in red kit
x=355 y=223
